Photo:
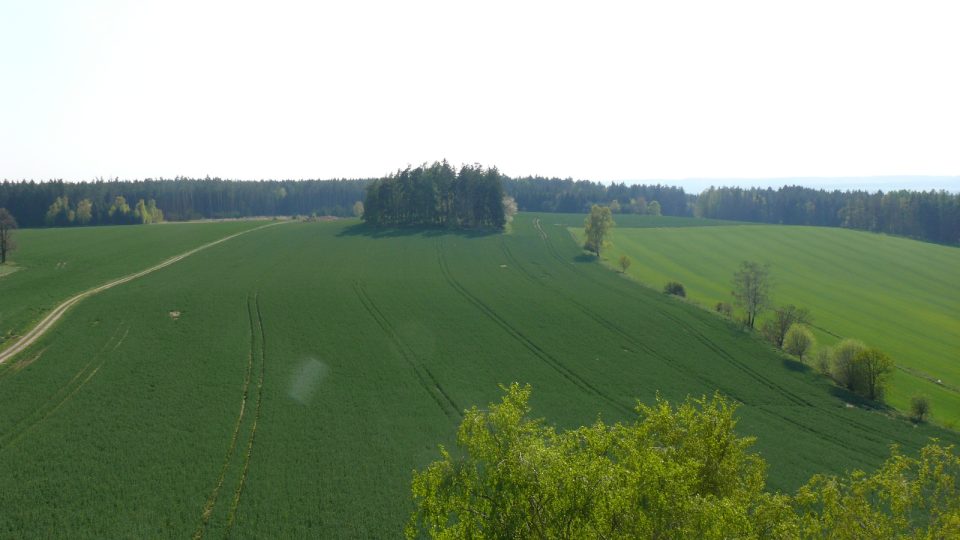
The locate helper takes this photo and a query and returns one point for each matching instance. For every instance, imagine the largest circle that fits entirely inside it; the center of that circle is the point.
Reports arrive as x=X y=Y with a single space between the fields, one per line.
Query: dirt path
x=30 y=337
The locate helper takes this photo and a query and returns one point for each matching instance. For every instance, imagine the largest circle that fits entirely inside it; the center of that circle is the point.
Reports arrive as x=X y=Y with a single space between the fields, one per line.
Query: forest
x=926 y=215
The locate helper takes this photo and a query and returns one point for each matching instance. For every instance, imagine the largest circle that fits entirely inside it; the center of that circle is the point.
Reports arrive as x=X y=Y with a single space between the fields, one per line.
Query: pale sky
x=598 y=90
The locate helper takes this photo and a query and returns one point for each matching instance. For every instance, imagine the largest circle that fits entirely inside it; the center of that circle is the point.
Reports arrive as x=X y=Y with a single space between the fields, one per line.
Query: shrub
x=842 y=367
x=674 y=288
x=919 y=408
x=725 y=309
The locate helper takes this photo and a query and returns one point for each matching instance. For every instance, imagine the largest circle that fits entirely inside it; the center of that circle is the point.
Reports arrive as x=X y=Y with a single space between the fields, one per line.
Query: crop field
x=286 y=382
x=893 y=293
x=53 y=264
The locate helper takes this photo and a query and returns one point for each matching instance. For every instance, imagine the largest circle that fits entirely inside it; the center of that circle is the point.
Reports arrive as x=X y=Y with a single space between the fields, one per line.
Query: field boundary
x=47 y=322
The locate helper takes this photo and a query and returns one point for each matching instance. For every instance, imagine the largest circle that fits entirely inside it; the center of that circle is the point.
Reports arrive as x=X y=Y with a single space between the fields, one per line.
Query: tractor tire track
x=531 y=346
x=231 y=449
x=424 y=377
x=47 y=322
x=231 y=517
x=796 y=399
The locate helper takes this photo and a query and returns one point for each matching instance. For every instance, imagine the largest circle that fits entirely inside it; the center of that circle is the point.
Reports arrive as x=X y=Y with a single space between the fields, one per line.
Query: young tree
x=775 y=329
x=625 y=263
x=919 y=408
x=799 y=340
x=596 y=227
x=653 y=208
x=509 y=208
x=358 y=209
x=842 y=367
x=872 y=368
x=7 y=225
x=751 y=289
x=84 y=212
x=823 y=359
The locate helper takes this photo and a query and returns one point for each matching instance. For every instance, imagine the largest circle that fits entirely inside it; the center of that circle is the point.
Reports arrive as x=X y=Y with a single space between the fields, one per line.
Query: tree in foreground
x=625 y=263
x=676 y=472
x=799 y=340
x=775 y=329
x=7 y=225
x=596 y=227
x=751 y=289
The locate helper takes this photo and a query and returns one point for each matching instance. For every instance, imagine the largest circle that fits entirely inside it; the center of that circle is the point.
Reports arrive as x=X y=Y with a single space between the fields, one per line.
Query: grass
x=313 y=366
x=896 y=294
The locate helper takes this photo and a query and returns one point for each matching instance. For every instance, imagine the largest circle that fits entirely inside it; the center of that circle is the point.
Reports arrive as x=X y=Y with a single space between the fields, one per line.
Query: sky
x=608 y=91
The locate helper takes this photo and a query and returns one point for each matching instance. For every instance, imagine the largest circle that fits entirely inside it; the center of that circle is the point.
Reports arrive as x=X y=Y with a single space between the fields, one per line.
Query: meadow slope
x=287 y=382
x=893 y=293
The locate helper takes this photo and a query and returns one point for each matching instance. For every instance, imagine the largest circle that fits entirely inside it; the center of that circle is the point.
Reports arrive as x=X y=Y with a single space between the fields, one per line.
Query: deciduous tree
x=751 y=289
x=625 y=263
x=799 y=340
x=872 y=367
x=596 y=227
x=842 y=367
x=775 y=328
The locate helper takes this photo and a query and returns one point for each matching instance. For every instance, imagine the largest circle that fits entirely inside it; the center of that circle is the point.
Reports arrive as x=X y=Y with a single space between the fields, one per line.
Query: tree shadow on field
x=362 y=229
x=794 y=365
x=858 y=400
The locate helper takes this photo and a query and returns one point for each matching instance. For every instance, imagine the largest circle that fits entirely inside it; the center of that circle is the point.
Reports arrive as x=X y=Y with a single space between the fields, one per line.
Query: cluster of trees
x=438 y=195
x=185 y=198
x=86 y=212
x=675 y=472
x=853 y=365
x=927 y=215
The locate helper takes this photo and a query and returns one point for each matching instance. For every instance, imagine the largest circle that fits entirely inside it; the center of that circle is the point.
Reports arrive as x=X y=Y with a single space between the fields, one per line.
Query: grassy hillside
x=287 y=382
x=53 y=264
x=897 y=294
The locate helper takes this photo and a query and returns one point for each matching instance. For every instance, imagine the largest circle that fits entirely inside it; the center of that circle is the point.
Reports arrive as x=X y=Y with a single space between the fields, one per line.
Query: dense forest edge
x=926 y=215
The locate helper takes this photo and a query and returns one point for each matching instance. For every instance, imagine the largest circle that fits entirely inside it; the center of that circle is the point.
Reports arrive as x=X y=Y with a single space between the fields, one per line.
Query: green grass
x=897 y=294
x=352 y=356
x=55 y=264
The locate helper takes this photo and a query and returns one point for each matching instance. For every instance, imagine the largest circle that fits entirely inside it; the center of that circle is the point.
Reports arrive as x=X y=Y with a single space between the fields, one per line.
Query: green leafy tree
x=842 y=367
x=675 y=288
x=822 y=359
x=919 y=408
x=84 y=212
x=872 y=367
x=674 y=473
x=7 y=242
x=119 y=211
x=653 y=208
x=624 y=263
x=358 y=209
x=596 y=228
x=59 y=213
x=751 y=289
x=799 y=340
x=775 y=328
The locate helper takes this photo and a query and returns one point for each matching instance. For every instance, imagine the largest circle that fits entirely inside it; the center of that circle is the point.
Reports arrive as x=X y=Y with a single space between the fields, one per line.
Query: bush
x=821 y=360
x=798 y=341
x=842 y=367
x=674 y=288
x=919 y=408
x=725 y=309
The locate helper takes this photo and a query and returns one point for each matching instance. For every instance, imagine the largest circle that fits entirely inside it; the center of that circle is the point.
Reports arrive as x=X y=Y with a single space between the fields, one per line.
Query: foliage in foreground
x=674 y=473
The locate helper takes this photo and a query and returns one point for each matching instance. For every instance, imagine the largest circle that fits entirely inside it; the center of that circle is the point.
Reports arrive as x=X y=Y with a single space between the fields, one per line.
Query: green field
x=897 y=294
x=53 y=264
x=286 y=382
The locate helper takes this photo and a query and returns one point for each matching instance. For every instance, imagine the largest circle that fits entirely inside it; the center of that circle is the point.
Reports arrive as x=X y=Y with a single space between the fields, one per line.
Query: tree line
x=437 y=195
x=926 y=215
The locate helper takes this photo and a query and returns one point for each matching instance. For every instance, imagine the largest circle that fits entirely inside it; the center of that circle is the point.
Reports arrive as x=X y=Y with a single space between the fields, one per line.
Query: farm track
x=234 y=459
x=47 y=322
x=794 y=398
x=64 y=394
x=558 y=366
x=426 y=379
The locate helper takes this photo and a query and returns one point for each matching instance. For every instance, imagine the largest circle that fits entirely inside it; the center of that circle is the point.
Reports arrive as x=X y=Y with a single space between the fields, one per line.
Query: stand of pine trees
x=437 y=195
